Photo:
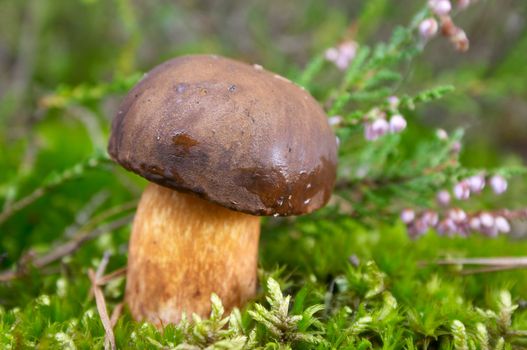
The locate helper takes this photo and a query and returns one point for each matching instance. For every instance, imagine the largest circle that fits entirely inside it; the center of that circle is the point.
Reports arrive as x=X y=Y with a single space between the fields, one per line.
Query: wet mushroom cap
x=234 y=134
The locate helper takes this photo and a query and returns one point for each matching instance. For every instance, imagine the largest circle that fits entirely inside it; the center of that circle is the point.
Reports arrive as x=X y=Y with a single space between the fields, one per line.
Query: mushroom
x=222 y=143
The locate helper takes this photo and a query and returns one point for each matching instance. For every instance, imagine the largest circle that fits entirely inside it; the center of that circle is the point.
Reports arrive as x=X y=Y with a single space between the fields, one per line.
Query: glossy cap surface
x=229 y=132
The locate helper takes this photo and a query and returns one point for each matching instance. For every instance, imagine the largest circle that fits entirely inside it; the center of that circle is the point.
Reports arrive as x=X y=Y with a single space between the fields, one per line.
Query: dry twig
x=116 y=313
x=488 y=264
x=109 y=341
x=490 y=269
x=501 y=261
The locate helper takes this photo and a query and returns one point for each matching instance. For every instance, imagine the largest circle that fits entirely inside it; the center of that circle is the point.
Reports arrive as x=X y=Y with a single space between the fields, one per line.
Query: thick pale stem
x=184 y=248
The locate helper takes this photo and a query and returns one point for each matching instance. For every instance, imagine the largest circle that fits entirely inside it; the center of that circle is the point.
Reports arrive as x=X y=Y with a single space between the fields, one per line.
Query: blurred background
x=47 y=44
x=55 y=53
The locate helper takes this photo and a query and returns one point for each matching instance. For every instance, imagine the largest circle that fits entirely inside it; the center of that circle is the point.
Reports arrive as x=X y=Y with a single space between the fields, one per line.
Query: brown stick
x=101 y=309
x=490 y=269
x=502 y=261
x=112 y=275
x=104 y=279
x=116 y=313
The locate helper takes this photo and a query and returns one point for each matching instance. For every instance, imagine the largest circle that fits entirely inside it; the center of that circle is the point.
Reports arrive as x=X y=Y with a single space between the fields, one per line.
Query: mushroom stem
x=182 y=250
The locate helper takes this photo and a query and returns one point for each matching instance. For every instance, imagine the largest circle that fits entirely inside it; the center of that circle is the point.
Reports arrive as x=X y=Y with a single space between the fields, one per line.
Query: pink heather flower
x=342 y=62
x=428 y=28
x=332 y=54
x=343 y=54
x=407 y=216
x=440 y=7
x=335 y=120
x=491 y=231
x=487 y=220
x=442 y=134
x=348 y=49
x=397 y=123
x=443 y=198
x=476 y=183
x=417 y=228
x=498 y=184
x=442 y=227
x=462 y=190
x=421 y=227
x=502 y=224
x=447 y=226
x=456 y=147
x=457 y=215
x=377 y=128
x=430 y=218
x=413 y=231
x=460 y=40
x=393 y=101
x=475 y=223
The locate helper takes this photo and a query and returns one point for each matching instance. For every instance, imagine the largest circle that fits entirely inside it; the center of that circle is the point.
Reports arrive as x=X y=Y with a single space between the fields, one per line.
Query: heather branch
x=65 y=96
x=54 y=181
x=64 y=249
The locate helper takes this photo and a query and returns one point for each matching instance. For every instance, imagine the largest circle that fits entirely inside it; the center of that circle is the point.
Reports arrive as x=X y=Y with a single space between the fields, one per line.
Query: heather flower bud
x=441 y=228
x=443 y=198
x=490 y=231
x=487 y=220
x=342 y=55
x=376 y=129
x=448 y=28
x=498 y=184
x=397 y=123
x=335 y=120
x=428 y=28
x=430 y=218
x=332 y=54
x=456 y=147
x=442 y=134
x=475 y=223
x=417 y=228
x=440 y=7
x=476 y=183
x=393 y=101
x=342 y=62
x=502 y=224
x=462 y=190
x=460 y=40
x=407 y=216
x=348 y=49
x=447 y=226
x=457 y=215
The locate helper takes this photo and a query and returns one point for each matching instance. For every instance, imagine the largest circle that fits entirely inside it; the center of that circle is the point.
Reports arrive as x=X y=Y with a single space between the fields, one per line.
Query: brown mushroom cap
x=232 y=133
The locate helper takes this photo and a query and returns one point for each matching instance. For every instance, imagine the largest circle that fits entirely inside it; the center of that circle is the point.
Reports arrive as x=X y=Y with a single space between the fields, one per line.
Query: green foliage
x=364 y=306
x=284 y=328
x=83 y=94
x=345 y=277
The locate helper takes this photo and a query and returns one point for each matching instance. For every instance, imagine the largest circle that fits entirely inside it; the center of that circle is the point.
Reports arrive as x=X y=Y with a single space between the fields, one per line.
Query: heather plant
x=383 y=266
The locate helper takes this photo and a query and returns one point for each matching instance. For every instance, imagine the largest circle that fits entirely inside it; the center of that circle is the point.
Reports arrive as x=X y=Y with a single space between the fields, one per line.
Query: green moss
x=345 y=277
